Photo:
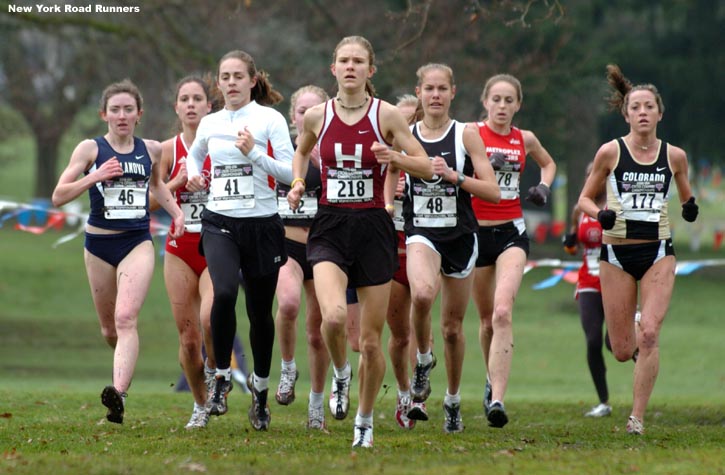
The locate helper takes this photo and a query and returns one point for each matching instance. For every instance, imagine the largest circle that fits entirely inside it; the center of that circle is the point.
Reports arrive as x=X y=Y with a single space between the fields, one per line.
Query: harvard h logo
x=341 y=157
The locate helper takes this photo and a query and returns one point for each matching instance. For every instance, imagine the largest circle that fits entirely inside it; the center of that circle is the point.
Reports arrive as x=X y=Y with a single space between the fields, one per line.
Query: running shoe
x=600 y=410
x=635 y=426
x=401 y=413
x=417 y=411
x=420 y=389
x=199 y=419
x=113 y=399
x=216 y=403
x=340 y=397
x=453 y=422
x=259 y=415
x=497 y=415
x=362 y=437
x=286 y=390
x=487 y=394
x=316 y=417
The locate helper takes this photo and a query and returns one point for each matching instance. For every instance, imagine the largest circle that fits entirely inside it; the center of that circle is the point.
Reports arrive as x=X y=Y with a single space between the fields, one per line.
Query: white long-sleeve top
x=240 y=185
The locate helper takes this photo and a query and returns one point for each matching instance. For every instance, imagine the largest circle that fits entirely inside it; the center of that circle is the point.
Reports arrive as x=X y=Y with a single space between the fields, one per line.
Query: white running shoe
x=286 y=390
x=635 y=426
x=199 y=419
x=316 y=417
x=600 y=410
x=340 y=397
x=362 y=437
x=401 y=413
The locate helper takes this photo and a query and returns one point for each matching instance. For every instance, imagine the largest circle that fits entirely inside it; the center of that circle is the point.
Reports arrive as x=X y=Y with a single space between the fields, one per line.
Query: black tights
x=223 y=261
x=591 y=314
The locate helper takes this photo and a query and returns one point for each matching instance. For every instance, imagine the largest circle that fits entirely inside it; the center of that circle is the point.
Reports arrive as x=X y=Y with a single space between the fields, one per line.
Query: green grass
x=53 y=364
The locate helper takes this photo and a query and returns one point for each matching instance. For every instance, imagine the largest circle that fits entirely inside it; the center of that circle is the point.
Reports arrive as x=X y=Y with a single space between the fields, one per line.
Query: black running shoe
x=497 y=415
x=420 y=387
x=259 y=415
x=216 y=402
x=112 y=398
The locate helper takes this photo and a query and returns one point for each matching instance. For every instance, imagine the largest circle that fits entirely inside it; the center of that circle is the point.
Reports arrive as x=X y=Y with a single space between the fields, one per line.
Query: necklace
x=437 y=128
x=339 y=101
x=643 y=147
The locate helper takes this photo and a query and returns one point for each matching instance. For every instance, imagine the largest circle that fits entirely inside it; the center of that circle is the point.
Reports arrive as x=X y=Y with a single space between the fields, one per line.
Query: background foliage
x=54 y=66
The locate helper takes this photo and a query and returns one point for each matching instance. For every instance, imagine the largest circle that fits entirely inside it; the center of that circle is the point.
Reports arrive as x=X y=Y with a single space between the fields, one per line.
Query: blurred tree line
x=54 y=66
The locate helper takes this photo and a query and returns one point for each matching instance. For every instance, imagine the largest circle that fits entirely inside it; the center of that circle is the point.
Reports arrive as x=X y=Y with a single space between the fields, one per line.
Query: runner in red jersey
x=352 y=238
x=586 y=232
x=503 y=243
x=187 y=279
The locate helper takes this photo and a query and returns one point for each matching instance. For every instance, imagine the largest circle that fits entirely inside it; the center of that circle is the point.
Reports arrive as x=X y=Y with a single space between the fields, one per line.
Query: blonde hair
x=423 y=70
x=316 y=90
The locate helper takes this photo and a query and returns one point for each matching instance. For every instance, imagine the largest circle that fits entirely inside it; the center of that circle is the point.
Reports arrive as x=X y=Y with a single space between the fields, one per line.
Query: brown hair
x=411 y=100
x=318 y=91
x=362 y=41
x=262 y=92
x=211 y=92
x=505 y=78
x=121 y=87
x=622 y=87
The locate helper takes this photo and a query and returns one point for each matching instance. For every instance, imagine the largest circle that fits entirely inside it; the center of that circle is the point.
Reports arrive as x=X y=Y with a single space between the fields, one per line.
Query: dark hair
x=622 y=87
x=362 y=41
x=262 y=92
x=121 y=87
x=211 y=92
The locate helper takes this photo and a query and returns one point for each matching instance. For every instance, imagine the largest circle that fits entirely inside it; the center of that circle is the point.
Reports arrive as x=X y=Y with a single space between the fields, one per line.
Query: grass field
x=53 y=364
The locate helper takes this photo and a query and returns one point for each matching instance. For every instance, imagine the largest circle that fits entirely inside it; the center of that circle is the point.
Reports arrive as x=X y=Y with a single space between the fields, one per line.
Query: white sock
x=403 y=394
x=425 y=358
x=344 y=372
x=260 y=384
x=198 y=407
x=316 y=399
x=289 y=365
x=364 y=421
x=225 y=373
x=208 y=369
x=452 y=399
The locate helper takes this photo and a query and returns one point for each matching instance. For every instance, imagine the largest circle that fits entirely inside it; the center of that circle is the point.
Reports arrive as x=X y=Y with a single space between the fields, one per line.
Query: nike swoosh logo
x=445 y=153
x=138 y=157
x=659 y=169
x=362 y=132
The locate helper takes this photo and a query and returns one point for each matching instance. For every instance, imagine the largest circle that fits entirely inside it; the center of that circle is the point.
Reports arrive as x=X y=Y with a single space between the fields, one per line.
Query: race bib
x=642 y=206
x=124 y=198
x=349 y=185
x=232 y=186
x=434 y=205
x=192 y=204
x=592 y=259
x=508 y=182
x=307 y=208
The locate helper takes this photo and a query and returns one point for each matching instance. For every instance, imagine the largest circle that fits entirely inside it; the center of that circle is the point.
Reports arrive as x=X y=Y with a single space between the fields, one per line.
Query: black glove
x=539 y=194
x=569 y=241
x=606 y=218
x=690 y=210
x=498 y=160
